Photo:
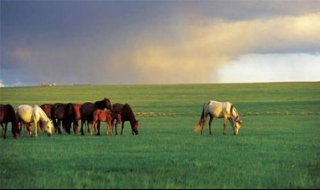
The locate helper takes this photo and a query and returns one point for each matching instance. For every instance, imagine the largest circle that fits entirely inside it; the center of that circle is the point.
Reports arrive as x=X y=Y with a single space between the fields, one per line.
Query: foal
x=106 y=116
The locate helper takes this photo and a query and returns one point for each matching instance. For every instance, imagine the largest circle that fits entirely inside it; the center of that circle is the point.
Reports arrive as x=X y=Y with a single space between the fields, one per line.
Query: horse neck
x=43 y=116
x=100 y=104
x=234 y=113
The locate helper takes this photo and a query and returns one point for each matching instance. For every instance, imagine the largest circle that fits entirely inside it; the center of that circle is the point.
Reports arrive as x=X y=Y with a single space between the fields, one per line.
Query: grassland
x=277 y=147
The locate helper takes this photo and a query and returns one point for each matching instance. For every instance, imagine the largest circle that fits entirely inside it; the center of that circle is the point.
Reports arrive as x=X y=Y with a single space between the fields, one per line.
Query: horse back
x=127 y=113
x=218 y=109
x=25 y=113
x=7 y=113
x=117 y=107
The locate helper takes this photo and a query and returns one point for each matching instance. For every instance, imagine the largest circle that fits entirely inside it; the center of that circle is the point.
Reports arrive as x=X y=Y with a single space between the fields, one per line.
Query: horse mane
x=234 y=111
x=43 y=115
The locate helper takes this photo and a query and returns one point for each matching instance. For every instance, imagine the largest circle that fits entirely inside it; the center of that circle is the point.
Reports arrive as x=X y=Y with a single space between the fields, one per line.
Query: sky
x=108 y=42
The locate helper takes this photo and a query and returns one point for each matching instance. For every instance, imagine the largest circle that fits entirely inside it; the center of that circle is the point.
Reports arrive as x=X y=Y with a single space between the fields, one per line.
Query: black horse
x=87 y=109
x=127 y=114
x=7 y=114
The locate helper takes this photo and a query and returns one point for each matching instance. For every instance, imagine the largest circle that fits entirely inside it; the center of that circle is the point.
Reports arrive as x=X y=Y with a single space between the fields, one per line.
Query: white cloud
x=271 y=68
x=1 y=83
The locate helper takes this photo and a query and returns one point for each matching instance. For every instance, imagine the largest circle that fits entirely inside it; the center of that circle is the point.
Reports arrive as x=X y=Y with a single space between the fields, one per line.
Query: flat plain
x=278 y=145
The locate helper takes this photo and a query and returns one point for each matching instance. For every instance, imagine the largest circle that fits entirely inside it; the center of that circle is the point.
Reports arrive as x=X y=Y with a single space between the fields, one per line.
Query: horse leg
x=98 y=128
x=93 y=126
x=115 y=124
x=4 y=130
x=75 y=126
x=210 y=122
x=27 y=128
x=88 y=127
x=122 y=128
x=224 y=125
x=81 y=127
x=59 y=126
x=109 y=128
x=35 y=128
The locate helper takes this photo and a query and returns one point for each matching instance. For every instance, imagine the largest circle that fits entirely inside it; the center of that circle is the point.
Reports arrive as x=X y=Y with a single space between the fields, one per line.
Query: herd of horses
x=49 y=117
x=53 y=116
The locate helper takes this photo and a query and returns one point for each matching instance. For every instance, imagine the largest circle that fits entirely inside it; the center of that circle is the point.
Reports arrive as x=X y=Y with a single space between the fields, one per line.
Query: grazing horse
x=34 y=114
x=223 y=110
x=7 y=114
x=64 y=113
x=126 y=115
x=87 y=109
x=106 y=116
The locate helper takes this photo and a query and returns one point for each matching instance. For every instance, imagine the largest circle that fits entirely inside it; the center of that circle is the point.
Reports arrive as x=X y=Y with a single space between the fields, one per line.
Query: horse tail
x=202 y=120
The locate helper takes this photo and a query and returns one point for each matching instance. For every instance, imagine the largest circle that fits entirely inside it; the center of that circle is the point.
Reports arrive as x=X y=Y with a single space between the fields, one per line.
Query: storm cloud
x=142 y=42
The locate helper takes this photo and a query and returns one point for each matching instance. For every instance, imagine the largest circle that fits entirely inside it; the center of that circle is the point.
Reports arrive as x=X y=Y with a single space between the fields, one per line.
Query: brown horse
x=64 y=113
x=87 y=109
x=7 y=114
x=127 y=114
x=106 y=116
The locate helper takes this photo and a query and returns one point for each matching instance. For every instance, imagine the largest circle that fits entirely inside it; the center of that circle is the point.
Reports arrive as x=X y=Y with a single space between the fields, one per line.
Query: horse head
x=135 y=127
x=108 y=104
x=238 y=125
x=47 y=127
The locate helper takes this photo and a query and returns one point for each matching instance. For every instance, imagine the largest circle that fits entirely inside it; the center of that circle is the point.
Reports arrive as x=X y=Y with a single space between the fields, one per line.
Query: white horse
x=223 y=110
x=34 y=114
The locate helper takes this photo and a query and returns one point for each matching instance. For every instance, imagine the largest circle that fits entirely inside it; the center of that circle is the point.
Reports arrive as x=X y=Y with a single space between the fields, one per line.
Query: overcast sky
x=158 y=41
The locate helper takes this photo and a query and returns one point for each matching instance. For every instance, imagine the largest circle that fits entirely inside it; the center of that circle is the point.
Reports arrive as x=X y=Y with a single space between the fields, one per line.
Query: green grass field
x=277 y=147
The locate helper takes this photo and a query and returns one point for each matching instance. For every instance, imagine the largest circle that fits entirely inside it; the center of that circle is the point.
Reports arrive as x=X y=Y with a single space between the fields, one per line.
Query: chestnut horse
x=224 y=110
x=7 y=114
x=87 y=109
x=127 y=114
x=34 y=114
x=106 y=116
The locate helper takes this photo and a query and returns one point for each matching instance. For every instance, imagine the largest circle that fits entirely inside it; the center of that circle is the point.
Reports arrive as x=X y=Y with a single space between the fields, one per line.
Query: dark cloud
x=126 y=42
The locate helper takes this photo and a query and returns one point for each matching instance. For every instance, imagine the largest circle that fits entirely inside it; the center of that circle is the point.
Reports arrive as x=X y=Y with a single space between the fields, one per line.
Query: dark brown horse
x=127 y=114
x=87 y=109
x=64 y=113
x=106 y=116
x=7 y=115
